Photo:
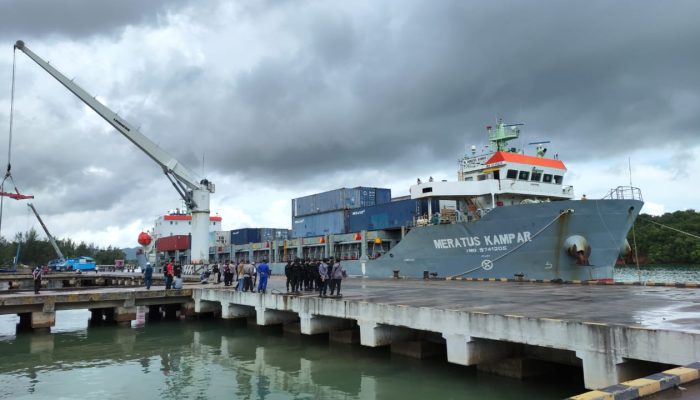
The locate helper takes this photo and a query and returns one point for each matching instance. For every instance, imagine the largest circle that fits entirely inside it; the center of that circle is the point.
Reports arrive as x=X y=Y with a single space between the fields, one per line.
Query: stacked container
x=327 y=213
x=339 y=199
x=257 y=235
x=392 y=215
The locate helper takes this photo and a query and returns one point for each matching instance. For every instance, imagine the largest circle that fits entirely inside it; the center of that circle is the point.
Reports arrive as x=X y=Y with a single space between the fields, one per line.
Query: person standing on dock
x=288 y=273
x=215 y=270
x=263 y=274
x=36 y=274
x=248 y=276
x=169 y=273
x=239 y=272
x=297 y=275
x=228 y=275
x=323 y=271
x=148 y=275
x=337 y=274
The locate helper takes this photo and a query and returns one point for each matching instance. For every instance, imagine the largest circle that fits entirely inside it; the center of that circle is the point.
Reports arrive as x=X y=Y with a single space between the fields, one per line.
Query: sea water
x=217 y=359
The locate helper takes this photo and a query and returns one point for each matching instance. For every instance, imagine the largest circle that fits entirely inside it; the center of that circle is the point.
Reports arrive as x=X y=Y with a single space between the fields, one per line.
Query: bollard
x=396 y=274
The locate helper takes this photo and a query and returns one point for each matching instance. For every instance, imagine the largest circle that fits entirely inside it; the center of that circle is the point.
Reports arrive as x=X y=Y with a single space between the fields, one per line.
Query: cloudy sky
x=277 y=99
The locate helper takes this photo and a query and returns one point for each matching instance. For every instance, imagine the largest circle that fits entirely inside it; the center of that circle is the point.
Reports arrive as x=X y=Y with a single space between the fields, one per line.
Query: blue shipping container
x=391 y=215
x=383 y=216
x=245 y=236
x=333 y=222
x=339 y=199
x=383 y=196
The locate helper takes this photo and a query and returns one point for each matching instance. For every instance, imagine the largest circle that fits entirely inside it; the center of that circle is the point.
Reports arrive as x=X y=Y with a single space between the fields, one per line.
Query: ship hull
x=532 y=241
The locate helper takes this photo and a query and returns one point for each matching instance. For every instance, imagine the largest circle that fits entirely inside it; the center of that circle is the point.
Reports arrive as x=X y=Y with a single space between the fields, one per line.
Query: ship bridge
x=500 y=178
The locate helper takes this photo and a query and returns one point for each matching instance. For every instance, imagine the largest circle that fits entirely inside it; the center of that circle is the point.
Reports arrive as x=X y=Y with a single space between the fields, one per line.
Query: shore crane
x=194 y=192
x=46 y=230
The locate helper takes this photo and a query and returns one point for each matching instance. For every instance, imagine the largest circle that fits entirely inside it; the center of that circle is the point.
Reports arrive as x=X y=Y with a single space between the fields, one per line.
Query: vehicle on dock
x=509 y=215
x=82 y=263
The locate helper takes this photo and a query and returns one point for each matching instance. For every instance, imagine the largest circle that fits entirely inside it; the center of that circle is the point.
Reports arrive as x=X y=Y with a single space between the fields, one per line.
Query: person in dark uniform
x=288 y=273
x=36 y=275
x=297 y=275
x=307 y=274
x=215 y=270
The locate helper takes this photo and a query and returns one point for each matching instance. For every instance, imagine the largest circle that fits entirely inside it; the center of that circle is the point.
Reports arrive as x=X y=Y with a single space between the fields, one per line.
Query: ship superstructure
x=507 y=215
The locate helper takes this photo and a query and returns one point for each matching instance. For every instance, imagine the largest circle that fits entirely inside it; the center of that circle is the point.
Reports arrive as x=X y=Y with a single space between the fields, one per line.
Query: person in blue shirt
x=263 y=274
x=148 y=275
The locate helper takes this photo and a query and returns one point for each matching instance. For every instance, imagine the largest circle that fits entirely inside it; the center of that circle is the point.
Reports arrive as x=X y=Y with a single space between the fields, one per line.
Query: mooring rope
x=672 y=228
x=563 y=212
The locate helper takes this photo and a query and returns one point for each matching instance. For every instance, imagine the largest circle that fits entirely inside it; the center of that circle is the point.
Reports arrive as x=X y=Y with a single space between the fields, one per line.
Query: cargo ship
x=508 y=215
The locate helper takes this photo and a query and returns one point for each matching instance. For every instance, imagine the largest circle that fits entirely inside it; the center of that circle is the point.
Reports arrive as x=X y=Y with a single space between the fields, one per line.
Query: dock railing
x=624 y=193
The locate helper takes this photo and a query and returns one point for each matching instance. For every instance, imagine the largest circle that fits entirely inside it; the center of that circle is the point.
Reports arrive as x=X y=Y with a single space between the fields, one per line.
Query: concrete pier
x=609 y=331
x=613 y=333
x=38 y=312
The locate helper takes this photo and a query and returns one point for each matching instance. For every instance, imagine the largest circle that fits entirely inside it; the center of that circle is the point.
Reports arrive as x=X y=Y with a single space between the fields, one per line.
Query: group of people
x=173 y=275
x=246 y=274
x=302 y=275
x=318 y=275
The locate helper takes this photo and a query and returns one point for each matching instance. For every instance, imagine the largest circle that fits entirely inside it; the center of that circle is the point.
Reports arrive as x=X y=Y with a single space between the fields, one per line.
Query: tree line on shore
x=35 y=251
x=657 y=244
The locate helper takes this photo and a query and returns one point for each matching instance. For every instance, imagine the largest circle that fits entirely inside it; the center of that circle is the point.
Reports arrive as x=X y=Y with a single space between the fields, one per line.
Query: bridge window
x=536 y=176
x=558 y=179
x=481 y=177
x=524 y=175
x=512 y=174
x=547 y=178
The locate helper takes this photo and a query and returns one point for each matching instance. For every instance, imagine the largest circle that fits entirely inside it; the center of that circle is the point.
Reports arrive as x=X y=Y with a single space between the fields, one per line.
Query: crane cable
x=8 y=174
x=9 y=147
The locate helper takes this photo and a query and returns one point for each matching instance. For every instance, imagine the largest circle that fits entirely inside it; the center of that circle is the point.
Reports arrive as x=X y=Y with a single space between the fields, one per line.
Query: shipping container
x=423 y=206
x=268 y=234
x=172 y=243
x=391 y=215
x=383 y=216
x=339 y=199
x=333 y=222
x=245 y=236
x=383 y=196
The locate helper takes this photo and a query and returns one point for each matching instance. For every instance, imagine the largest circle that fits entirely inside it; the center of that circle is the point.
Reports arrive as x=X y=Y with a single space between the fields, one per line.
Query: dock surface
x=609 y=331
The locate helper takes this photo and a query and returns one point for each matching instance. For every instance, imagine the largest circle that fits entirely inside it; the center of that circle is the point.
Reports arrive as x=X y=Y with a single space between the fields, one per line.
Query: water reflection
x=218 y=359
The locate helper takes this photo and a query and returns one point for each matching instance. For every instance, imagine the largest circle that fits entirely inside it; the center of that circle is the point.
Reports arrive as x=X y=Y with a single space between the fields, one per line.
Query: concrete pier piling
x=613 y=334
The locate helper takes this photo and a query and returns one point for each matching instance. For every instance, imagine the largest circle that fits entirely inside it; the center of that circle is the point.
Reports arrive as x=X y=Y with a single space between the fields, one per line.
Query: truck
x=82 y=263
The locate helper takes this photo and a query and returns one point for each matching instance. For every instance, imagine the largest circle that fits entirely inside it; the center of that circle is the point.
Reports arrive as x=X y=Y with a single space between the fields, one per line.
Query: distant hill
x=130 y=253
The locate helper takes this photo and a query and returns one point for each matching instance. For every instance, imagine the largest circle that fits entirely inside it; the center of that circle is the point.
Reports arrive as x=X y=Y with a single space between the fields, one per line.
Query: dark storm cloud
x=375 y=91
x=23 y=19
x=334 y=94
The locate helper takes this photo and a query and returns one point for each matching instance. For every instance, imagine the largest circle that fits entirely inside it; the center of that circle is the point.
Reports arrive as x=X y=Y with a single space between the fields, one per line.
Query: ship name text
x=485 y=240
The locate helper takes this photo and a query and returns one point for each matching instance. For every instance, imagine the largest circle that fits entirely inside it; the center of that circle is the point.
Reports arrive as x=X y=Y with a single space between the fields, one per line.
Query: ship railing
x=624 y=193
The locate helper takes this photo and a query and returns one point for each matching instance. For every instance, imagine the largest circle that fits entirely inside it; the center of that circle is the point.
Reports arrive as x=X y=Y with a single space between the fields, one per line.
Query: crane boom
x=195 y=193
x=46 y=230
